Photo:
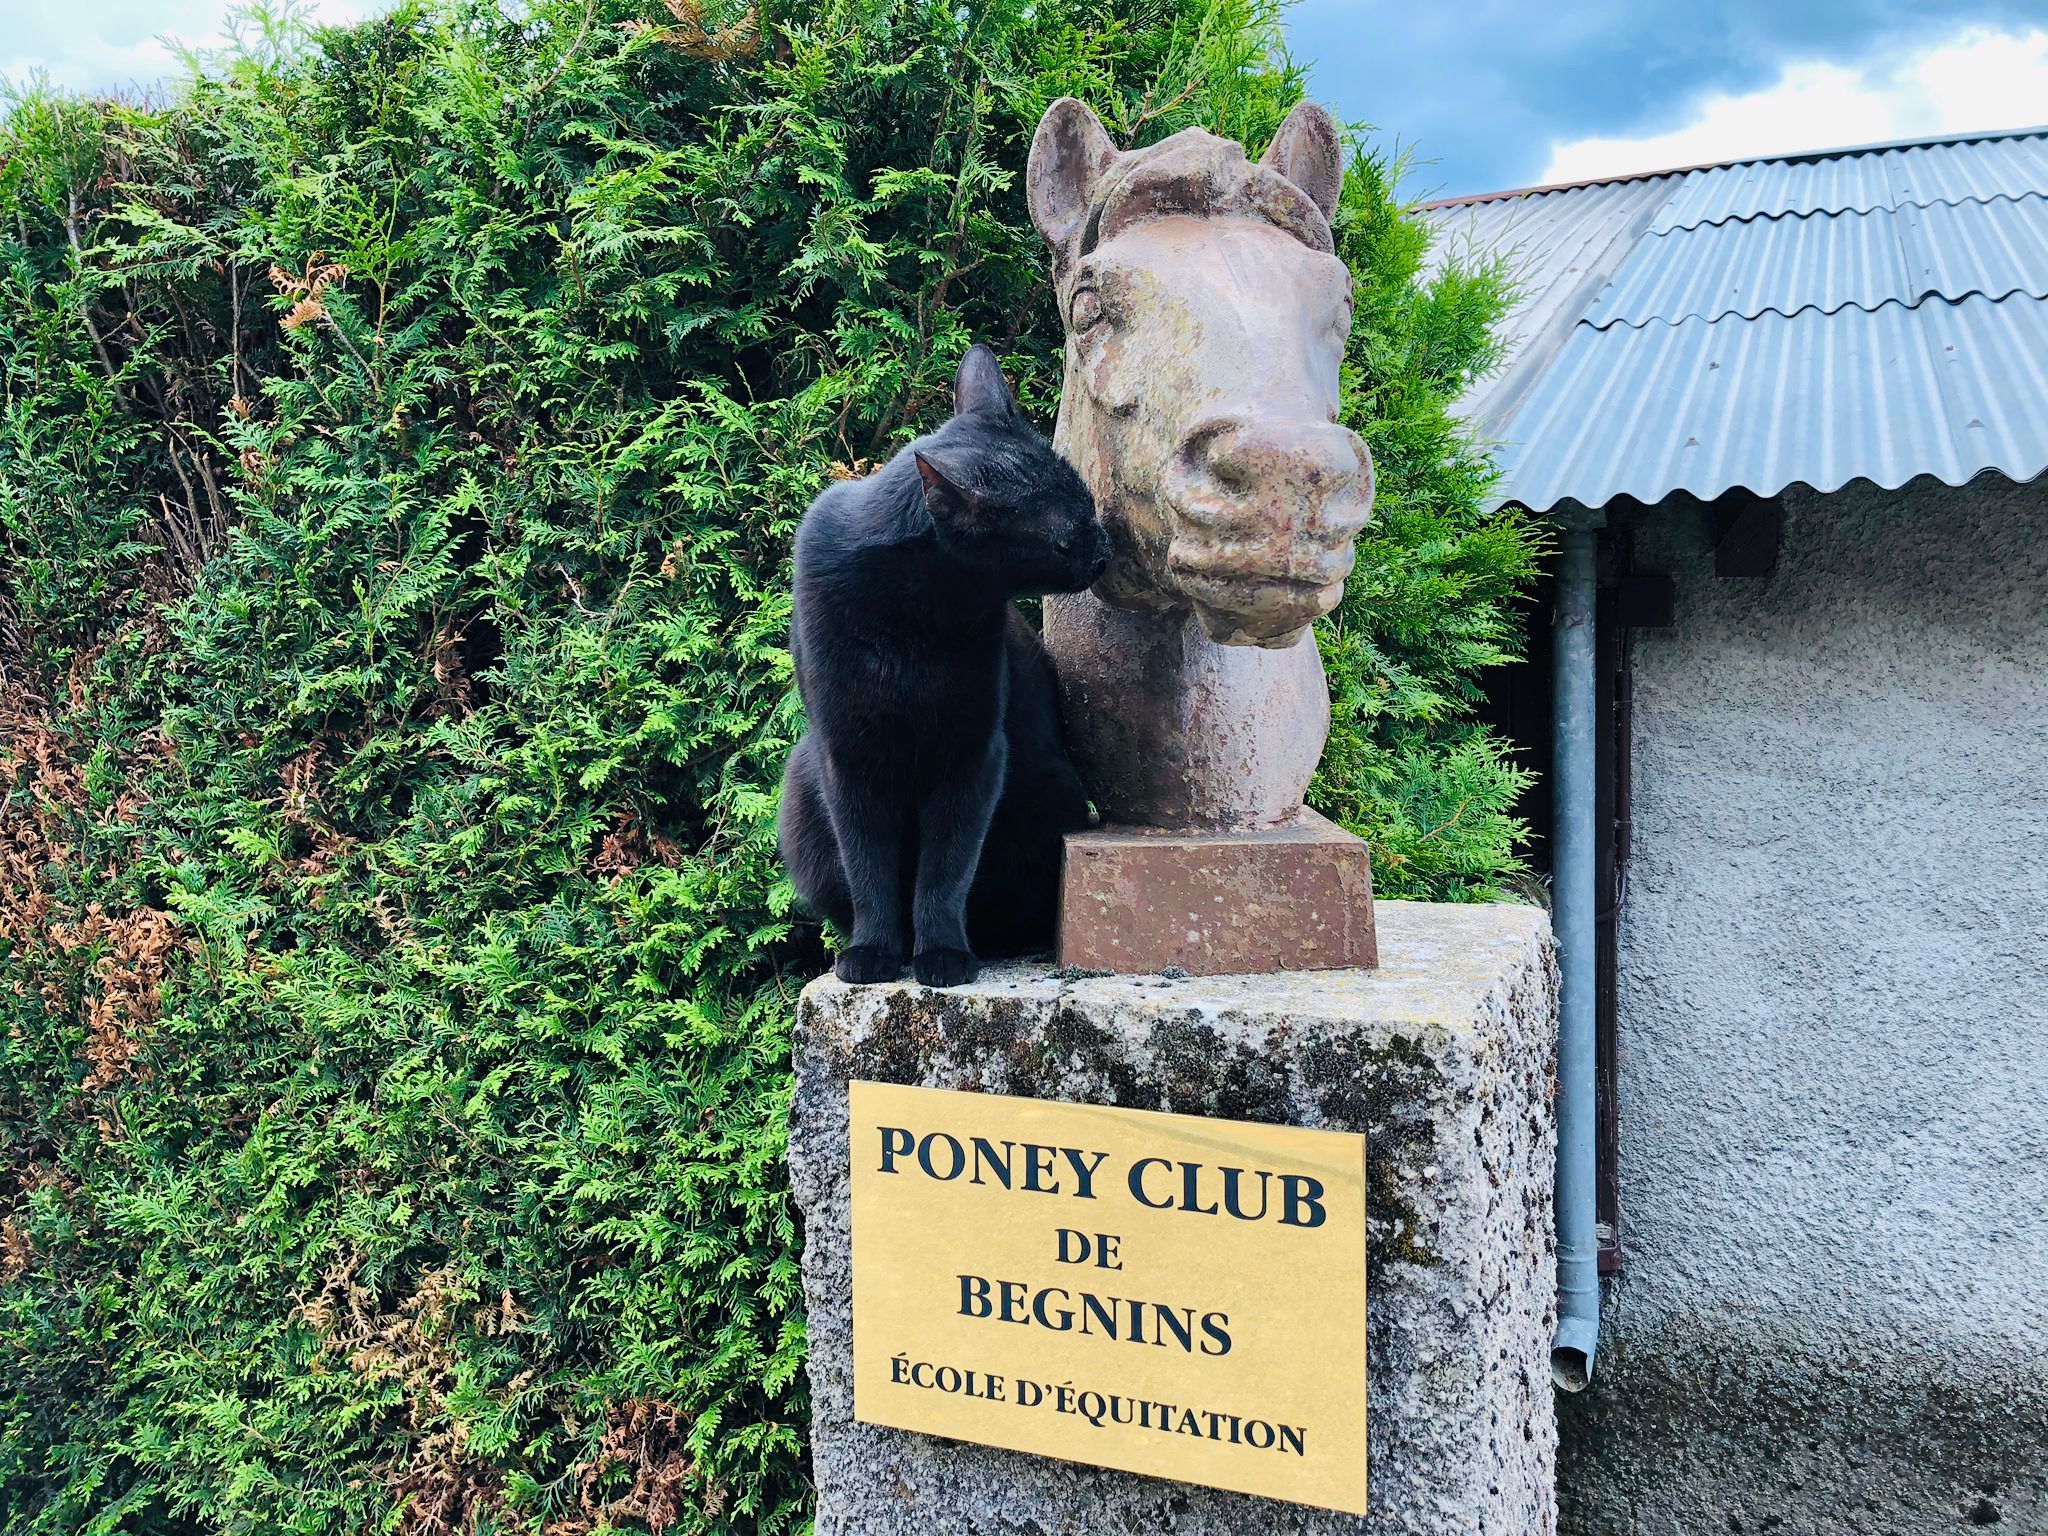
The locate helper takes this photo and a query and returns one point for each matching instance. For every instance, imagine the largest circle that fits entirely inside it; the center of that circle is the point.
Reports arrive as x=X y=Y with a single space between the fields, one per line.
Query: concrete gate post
x=1443 y=1057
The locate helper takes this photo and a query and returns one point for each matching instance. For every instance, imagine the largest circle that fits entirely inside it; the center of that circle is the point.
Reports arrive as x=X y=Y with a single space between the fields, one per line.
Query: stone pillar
x=1443 y=1058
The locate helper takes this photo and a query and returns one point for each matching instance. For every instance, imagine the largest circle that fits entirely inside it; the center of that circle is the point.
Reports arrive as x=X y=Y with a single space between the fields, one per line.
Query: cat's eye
x=1085 y=312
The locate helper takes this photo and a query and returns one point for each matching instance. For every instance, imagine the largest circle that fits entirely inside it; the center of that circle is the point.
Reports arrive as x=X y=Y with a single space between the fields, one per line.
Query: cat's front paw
x=945 y=967
x=863 y=964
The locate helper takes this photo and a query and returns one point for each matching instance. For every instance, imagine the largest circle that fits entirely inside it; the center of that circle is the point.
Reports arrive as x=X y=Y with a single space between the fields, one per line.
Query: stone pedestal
x=1443 y=1057
x=1138 y=900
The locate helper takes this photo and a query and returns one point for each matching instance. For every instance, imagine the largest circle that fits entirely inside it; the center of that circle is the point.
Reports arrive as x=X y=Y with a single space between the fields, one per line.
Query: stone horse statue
x=1206 y=315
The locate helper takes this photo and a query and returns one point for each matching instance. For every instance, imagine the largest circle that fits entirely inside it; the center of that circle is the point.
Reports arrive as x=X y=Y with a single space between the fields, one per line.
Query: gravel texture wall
x=1834 y=1035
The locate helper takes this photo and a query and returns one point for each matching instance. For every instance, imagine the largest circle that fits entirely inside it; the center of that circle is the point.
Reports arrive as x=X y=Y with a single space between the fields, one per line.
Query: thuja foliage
x=402 y=430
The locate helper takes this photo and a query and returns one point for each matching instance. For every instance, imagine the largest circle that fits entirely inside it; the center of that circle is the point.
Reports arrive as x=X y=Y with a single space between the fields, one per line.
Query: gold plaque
x=1164 y=1294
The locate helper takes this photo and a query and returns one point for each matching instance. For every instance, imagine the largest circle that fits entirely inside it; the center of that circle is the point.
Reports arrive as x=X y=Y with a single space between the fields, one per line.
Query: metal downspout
x=1572 y=919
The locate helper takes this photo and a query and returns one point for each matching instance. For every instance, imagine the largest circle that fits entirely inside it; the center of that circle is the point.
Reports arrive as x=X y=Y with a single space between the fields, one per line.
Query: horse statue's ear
x=979 y=384
x=1070 y=154
x=1308 y=152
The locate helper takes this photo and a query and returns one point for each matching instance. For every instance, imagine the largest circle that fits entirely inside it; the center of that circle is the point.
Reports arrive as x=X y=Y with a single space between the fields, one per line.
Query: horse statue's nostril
x=1247 y=459
x=1211 y=451
x=1232 y=466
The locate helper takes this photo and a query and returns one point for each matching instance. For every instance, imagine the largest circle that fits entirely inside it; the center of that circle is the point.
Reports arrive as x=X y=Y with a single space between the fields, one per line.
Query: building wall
x=1834 y=1035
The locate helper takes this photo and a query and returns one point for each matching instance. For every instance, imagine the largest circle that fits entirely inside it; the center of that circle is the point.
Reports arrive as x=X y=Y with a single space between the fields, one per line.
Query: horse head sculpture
x=1206 y=315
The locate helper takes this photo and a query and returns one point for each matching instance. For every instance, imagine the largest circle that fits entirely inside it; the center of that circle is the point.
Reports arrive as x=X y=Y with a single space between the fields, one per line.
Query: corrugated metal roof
x=1915 y=176
x=1574 y=239
x=1883 y=394
x=1829 y=260
x=1878 y=313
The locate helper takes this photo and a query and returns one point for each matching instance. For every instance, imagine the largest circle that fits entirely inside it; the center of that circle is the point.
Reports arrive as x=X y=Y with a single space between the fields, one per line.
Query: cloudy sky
x=1505 y=93
x=109 y=43
x=1492 y=93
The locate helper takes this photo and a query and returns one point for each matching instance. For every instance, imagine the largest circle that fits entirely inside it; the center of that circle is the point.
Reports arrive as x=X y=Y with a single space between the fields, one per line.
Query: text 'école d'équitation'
x=1101 y=1409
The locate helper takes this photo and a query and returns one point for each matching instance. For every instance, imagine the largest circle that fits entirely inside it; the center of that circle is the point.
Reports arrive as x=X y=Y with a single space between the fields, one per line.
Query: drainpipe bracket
x=1571 y=517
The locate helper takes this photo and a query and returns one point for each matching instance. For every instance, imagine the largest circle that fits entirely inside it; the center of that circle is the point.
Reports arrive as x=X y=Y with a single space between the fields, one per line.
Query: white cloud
x=119 y=44
x=1976 y=79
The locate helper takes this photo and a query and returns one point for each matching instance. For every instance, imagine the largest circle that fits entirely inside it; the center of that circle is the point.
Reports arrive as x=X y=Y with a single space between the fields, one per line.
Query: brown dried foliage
x=631 y=843
x=15 y=1251
x=646 y=1440
x=139 y=948
x=41 y=795
x=690 y=36
x=454 y=689
x=441 y=1489
x=308 y=289
x=18 y=1185
x=28 y=812
x=301 y=809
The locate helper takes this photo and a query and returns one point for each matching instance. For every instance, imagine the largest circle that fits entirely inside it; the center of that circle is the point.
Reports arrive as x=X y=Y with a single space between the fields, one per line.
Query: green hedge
x=401 y=434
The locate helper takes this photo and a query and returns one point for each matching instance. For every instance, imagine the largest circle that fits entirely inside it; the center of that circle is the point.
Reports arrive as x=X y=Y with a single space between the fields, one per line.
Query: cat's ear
x=951 y=504
x=980 y=386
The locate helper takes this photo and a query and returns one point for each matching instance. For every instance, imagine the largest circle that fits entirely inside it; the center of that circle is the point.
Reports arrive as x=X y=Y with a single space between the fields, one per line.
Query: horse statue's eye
x=1086 y=311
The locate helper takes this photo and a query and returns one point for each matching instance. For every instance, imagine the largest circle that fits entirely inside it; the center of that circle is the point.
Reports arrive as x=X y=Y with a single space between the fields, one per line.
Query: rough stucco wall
x=1834 y=1035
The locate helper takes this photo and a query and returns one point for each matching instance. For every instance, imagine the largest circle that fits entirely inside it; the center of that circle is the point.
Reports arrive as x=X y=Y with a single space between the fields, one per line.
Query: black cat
x=934 y=748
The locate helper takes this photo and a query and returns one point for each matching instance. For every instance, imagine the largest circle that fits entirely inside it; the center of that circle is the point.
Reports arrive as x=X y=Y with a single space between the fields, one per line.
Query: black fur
x=922 y=813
